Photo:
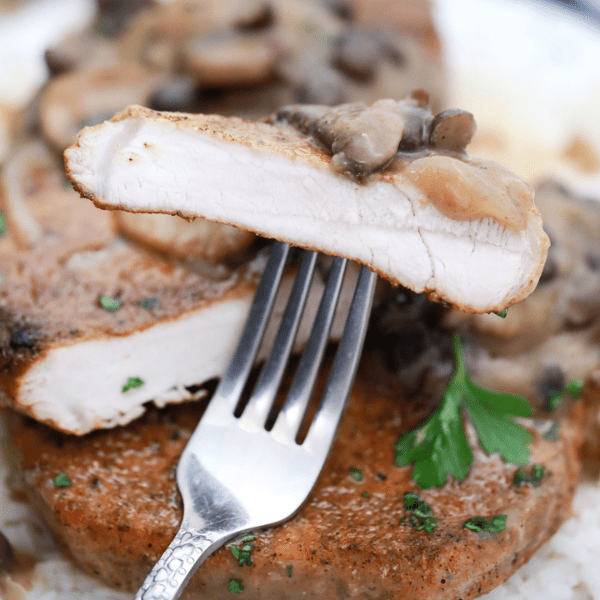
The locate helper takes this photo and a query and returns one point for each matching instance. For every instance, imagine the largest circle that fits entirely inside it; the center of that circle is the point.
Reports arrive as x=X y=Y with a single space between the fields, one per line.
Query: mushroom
x=228 y=58
x=18 y=173
x=464 y=231
x=88 y=96
x=81 y=49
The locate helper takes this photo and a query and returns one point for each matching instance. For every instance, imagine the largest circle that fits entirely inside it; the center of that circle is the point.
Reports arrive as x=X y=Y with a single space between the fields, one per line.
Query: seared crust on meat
x=123 y=509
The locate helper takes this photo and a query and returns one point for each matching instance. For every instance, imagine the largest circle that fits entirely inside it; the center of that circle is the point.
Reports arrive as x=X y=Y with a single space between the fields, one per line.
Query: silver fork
x=234 y=475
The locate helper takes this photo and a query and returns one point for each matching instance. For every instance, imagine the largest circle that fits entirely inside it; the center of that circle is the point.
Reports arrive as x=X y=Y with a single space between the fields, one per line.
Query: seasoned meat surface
x=350 y=540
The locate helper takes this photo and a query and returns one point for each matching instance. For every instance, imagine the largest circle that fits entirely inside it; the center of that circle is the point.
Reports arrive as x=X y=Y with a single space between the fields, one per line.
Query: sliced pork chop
x=83 y=311
x=350 y=540
x=464 y=231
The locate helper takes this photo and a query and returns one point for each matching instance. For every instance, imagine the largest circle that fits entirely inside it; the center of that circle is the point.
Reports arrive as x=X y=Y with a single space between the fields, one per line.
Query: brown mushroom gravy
x=404 y=139
x=365 y=138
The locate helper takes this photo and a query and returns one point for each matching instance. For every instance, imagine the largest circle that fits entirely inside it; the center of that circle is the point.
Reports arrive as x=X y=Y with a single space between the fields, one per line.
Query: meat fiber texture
x=440 y=224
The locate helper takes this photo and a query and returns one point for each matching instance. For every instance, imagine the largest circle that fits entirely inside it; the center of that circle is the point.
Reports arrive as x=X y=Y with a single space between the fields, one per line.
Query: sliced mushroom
x=115 y=15
x=357 y=54
x=361 y=139
x=82 y=49
x=82 y=97
x=18 y=173
x=452 y=130
x=464 y=231
x=228 y=59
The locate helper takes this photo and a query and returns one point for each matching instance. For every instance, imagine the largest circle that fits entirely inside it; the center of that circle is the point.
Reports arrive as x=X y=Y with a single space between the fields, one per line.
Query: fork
x=235 y=475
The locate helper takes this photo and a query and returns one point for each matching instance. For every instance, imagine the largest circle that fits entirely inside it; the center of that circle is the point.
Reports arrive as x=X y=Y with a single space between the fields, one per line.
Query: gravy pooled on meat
x=365 y=138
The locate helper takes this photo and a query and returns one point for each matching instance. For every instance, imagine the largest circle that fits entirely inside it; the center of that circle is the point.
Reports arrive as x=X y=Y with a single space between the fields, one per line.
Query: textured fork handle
x=177 y=564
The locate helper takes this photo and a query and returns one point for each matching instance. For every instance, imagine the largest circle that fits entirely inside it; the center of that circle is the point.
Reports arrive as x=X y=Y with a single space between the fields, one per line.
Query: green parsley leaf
x=552 y=433
x=289 y=570
x=365 y=494
x=242 y=555
x=521 y=476
x=2 y=223
x=502 y=314
x=574 y=387
x=148 y=303
x=132 y=382
x=355 y=474
x=109 y=304
x=235 y=586
x=439 y=446
x=537 y=473
x=481 y=525
x=554 y=400
x=421 y=513
x=61 y=480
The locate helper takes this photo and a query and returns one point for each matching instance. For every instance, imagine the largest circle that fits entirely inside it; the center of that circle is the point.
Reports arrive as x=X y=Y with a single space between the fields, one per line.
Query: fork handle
x=177 y=564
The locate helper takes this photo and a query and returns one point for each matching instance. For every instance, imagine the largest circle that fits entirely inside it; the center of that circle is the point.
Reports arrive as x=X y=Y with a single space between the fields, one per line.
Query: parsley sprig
x=439 y=447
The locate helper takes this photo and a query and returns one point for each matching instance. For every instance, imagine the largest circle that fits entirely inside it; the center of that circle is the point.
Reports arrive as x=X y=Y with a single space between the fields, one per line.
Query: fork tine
x=343 y=372
x=259 y=405
x=290 y=417
x=233 y=381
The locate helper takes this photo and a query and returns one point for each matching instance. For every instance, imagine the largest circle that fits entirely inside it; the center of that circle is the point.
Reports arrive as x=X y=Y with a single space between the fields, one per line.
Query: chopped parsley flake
x=109 y=304
x=365 y=494
x=554 y=400
x=242 y=555
x=421 y=514
x=148 y=303
x=61 y=480
x=356 y=474
x=573 y=388
x=502 y=314
x=2 y=223
x=289 y=570
x=132 y=382
x=481 y=525
x=522 y=476
x=235 y=586
x=552 y=433
x=439 y=446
